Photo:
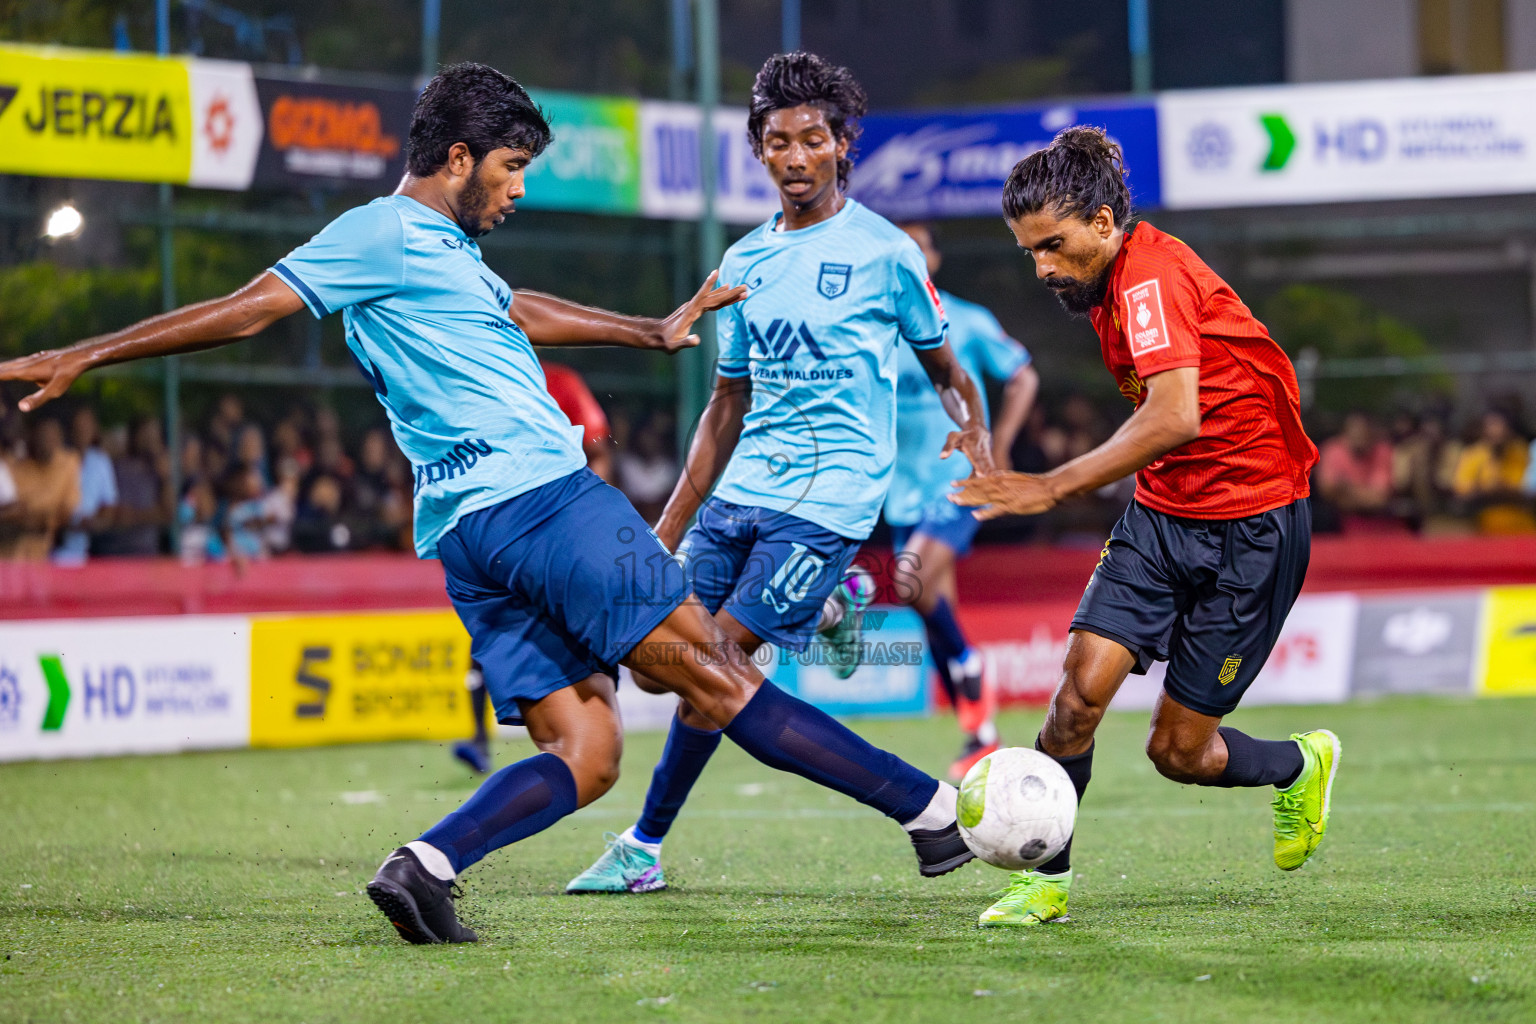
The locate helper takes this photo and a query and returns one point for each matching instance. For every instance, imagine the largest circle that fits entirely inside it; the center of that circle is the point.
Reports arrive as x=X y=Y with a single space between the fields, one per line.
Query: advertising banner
x=892 y=681
x=1417 y=643
x=226 y=124
x=319 y=132
x=594 y=163
x=1408 y=138
x=954 y=163
x=319 y=679
x=670 y=183
x=1023 y=646
x=1509 y=642
x=94 y=114
x=97 y=687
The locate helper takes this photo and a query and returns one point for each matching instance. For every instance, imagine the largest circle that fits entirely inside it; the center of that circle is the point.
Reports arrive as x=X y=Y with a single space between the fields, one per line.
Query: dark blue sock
x=519 y=801
x=785 y=732
x=682 y=761
x=945 y=638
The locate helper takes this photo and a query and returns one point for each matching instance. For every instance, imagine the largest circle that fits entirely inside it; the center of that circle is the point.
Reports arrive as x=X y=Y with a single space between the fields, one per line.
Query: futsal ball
x=1017 y=808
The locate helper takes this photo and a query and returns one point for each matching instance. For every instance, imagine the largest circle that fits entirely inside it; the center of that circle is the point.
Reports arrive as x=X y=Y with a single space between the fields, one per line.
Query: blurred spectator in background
x=1488 y=478
x=372 y=497
x=198 y=517
x=47 y=483
x=319 y=527
x=226 y=423
x=288 y=442
x=244 y=519
x=1078 y=429
x=1355 y=474
x=648 y=470
x=576 y=400
x=143 y=494
x=1416 y=445
x=250 y=453
x=279 y=506
x=97 y=489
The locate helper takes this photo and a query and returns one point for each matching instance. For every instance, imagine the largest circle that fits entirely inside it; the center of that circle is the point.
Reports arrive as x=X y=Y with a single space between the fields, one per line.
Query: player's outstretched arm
x=1168 y=418
x=962 y=400
x=548 y=320
x=188 y=329
x=713 y=442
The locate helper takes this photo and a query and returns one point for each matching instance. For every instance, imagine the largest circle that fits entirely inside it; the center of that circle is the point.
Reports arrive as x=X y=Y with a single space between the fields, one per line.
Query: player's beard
x=1079 y=297
x=472 y=203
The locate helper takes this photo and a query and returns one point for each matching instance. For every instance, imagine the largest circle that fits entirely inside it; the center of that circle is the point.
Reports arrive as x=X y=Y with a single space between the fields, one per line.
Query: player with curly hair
x=797 y=446
x=1204 y=566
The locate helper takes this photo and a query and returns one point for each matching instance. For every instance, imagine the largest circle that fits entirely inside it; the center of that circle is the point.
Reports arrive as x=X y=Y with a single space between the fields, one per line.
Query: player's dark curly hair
x=1081 y=170
x=478 y=106
x=796 y=79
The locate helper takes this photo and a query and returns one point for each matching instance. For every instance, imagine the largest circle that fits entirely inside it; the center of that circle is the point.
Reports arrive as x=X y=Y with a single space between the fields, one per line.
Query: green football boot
x=625 y=866
x=845 y=641
x=1029 y=899
x=1301 y=812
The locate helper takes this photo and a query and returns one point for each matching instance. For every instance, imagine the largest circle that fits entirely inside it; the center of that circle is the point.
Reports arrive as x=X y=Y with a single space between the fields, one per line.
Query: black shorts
x=1208 y=596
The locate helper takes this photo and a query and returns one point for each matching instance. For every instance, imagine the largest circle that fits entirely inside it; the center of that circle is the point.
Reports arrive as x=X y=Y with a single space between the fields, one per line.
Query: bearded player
x=1209 y=557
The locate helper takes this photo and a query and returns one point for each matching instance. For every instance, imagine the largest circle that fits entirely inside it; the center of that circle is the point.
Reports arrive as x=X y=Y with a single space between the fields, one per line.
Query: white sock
x=940 y=812
x=433 y=859
x=628 y=835
x=987 y=734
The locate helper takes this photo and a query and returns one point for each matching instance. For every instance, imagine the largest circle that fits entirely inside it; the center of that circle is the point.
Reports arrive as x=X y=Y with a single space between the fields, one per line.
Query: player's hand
x=55 y=370
x=676 y=330
x=976 y=444
x=1005 y=494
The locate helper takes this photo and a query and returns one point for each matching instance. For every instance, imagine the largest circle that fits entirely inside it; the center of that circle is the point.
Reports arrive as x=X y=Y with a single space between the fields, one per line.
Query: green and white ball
x=1017 y=808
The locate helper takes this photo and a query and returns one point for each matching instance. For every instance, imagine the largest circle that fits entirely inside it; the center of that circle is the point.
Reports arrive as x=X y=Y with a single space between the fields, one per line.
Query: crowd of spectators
x=70 y=490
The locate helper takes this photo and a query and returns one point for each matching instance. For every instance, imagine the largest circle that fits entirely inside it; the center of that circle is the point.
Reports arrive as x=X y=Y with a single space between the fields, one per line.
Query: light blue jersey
x=817 y=334
x=985 y=350
x=429 y=325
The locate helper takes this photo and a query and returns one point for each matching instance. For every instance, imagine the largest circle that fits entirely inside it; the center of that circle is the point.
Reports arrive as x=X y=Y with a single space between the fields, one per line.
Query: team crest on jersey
x=1229 y=669
x=1145 y=328
x=834 y=279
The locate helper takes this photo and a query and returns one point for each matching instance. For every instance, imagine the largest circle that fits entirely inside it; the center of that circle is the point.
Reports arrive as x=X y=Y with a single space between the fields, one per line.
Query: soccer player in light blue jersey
x=928 y=532
x=798 y=441
x=541 y=557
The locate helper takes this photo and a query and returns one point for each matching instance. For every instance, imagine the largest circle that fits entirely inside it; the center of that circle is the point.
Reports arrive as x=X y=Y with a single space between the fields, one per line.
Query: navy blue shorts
x=772 y=571
x=942 y=520
x=1208 y=596
x=555 y=585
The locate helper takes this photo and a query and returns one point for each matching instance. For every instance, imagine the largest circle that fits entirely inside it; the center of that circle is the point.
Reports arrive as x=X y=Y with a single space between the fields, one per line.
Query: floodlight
x=65 y=222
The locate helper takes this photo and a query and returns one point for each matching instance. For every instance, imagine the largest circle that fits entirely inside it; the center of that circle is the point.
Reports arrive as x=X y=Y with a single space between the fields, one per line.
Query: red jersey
x=1165 y=309
x=575 y=399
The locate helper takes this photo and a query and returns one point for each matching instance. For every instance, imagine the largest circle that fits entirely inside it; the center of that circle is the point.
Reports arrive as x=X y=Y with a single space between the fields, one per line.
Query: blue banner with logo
x=954 y=163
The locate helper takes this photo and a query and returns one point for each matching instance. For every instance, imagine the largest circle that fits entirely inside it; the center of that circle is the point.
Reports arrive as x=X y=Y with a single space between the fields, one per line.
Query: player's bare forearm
x=193 y=328
x=1018 y=399
x=549 y=320
x=1168 y=418
x=713 y=444
x=961 y=399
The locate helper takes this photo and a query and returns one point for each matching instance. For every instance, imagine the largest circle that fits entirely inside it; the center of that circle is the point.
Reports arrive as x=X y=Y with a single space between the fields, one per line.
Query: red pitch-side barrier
x=994 y=575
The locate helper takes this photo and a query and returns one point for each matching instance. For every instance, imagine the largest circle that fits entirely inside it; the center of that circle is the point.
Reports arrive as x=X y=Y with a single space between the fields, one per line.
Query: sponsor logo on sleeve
x=933 y=293
x=1146 y=329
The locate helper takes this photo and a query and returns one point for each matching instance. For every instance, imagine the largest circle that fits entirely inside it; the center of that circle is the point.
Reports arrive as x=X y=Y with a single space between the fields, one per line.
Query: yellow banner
x=1509 y=625
x=319 y=679
x=94 y=114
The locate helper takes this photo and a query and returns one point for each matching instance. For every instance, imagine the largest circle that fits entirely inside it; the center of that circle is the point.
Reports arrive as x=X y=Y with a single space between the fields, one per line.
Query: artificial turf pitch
x=228 y=887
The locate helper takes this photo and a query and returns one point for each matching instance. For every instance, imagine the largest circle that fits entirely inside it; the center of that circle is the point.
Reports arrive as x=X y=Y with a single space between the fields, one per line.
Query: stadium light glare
x=65 y=222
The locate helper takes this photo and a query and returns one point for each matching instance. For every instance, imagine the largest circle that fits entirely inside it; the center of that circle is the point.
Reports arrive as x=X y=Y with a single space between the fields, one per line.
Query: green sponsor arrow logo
x=58 y=691
x=1282 y=141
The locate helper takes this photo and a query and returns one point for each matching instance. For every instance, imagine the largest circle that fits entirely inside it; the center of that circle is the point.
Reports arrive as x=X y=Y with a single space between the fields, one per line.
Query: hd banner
x=954 y=163
x=98 y=687
x=1402 y=139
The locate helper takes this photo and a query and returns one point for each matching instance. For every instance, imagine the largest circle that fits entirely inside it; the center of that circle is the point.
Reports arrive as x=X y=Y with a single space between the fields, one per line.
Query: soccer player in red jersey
x=1209 y=557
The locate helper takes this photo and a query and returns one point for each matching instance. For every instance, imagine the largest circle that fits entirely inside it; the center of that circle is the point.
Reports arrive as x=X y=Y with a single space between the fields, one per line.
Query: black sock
x=1079 y=769
x=1252 y=762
